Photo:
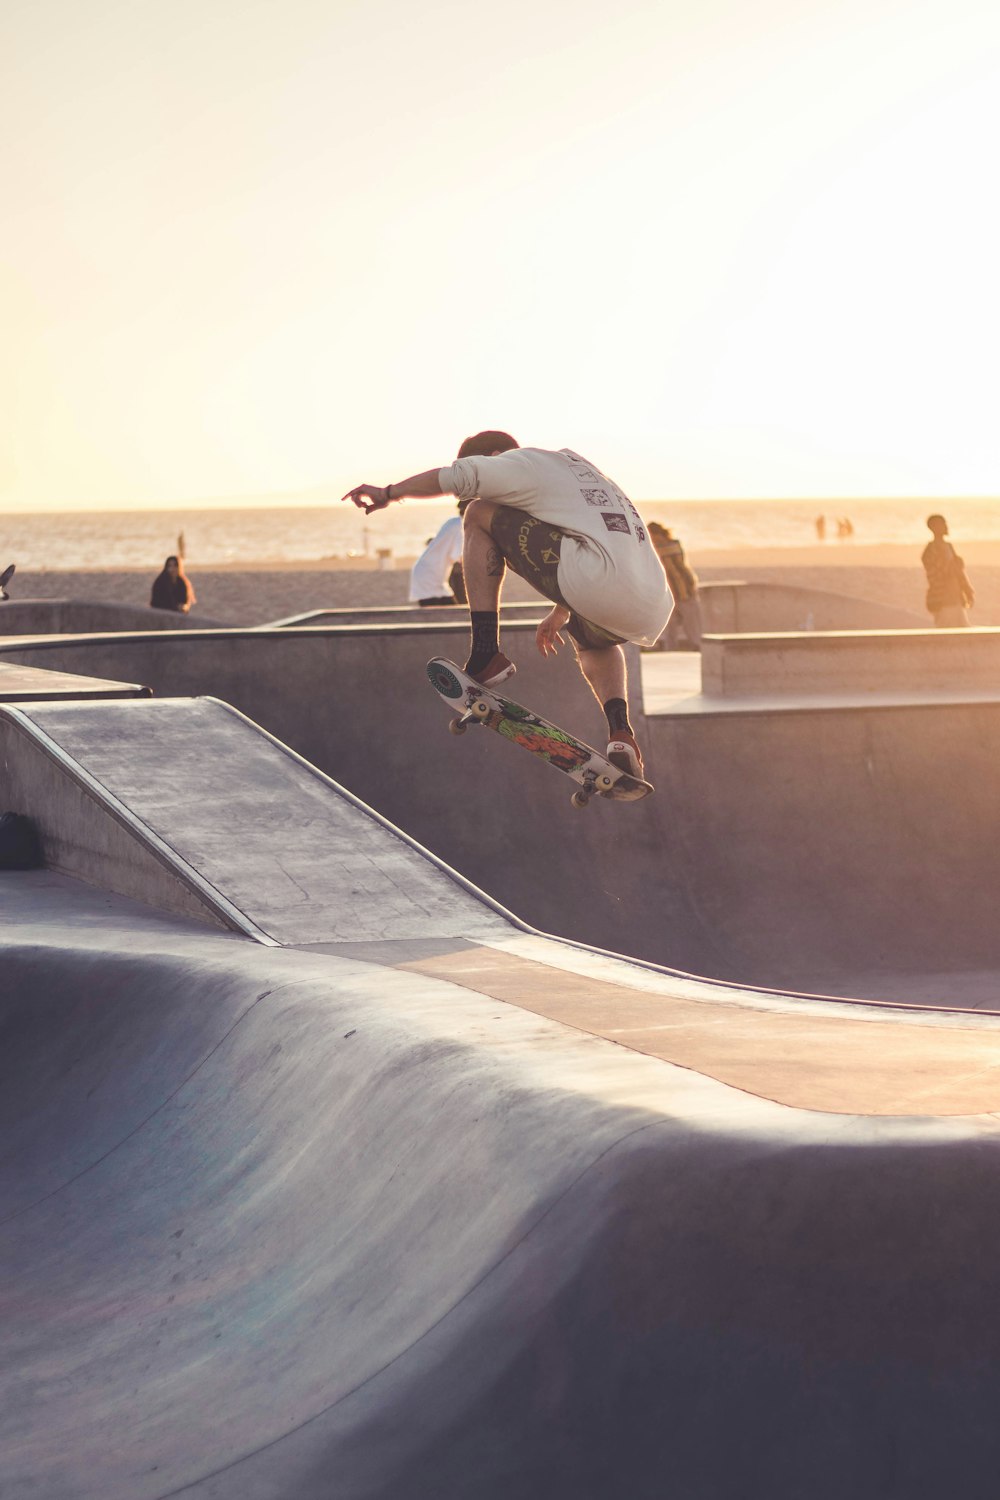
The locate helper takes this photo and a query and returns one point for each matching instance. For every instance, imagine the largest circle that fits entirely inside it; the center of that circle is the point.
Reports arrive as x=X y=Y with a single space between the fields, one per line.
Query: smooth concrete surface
x=34 y=684
x=280 y=1223
x=194 y=791
x=860 y=661
x=404 y=614
x=731 y=607
x=70 y=616
x=799 y=850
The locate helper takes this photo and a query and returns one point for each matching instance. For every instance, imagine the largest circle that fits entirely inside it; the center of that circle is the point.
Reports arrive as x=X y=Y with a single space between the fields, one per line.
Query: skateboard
x=473 y=704
x=5 y=578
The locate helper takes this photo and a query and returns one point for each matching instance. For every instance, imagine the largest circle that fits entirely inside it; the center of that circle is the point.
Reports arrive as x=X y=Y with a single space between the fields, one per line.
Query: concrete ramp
x=189 y=805
x=289 y=1226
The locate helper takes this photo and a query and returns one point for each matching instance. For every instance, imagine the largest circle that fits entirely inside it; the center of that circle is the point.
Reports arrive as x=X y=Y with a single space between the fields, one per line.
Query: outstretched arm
x=369 y=497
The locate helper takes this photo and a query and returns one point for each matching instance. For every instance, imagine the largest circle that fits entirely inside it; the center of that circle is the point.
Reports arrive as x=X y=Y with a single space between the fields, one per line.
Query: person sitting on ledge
x=172 y=589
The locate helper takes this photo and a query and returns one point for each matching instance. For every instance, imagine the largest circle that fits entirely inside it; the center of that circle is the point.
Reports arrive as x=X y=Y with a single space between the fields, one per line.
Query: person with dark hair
x=575 y=537
x=949 y=592
x=172 y=589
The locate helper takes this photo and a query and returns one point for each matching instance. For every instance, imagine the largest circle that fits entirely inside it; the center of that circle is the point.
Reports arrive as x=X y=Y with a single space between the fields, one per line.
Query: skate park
x=378 y=1124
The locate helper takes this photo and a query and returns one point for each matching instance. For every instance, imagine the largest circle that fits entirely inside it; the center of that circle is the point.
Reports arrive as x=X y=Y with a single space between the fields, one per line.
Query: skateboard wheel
x=579 y=799
x=456 y=726
x=481 y=709
x=605 y=783
x=446 y=683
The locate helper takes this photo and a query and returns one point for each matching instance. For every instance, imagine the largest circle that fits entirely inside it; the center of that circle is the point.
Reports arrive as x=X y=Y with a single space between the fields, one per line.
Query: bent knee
x=479 y=514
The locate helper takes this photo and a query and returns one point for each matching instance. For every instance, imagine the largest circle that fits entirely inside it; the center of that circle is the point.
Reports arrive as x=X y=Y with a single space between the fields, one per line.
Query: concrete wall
x=736 y=607
x=73 y=616
x=865 y=662
x=775 y=845
x=82 y=832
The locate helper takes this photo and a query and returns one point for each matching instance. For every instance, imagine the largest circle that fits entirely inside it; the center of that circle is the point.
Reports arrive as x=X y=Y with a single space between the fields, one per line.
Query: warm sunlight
x=743 y=250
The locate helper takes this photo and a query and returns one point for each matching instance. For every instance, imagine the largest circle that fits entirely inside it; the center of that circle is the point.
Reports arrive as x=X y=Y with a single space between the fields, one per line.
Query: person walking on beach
x=439 y=567
x=682 y=581
x=949 y=592
x=575 y=537
x=172 y=589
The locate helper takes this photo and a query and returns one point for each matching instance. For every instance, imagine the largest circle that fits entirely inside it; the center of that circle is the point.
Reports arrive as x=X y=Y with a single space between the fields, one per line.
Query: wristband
x=387 y=489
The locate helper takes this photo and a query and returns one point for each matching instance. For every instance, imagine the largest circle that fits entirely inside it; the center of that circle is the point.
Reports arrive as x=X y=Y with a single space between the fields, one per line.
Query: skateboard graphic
x=5 y=578
x=473 y=704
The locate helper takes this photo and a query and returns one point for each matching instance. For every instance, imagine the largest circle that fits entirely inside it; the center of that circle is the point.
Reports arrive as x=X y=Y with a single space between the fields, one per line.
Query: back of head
x=485 y=444
x=938 y=525
x=656 y=530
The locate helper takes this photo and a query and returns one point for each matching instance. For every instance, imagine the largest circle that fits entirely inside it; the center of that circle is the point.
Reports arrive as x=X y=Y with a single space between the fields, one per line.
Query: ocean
x=289 y=533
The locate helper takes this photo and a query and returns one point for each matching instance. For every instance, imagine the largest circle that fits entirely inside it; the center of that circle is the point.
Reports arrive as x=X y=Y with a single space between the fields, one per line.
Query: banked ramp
x=373 y=1205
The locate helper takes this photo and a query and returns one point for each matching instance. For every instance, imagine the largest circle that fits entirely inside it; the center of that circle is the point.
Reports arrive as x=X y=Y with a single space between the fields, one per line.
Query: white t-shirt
x=608 y=569
x=429 y=574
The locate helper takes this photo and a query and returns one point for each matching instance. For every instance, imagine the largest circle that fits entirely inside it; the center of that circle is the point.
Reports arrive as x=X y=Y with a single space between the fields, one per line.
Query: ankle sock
x=617 y=713
x=485 y=639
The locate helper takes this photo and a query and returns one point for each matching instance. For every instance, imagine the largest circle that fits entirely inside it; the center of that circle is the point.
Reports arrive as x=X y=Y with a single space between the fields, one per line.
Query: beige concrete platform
x=29 y=684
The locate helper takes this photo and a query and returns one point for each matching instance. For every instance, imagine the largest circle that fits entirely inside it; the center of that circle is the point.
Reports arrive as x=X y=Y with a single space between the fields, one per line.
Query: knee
x=477 y=515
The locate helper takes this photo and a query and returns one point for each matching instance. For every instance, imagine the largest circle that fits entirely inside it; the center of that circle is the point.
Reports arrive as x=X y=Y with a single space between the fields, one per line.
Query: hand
x=547 y=637
x=374 y=494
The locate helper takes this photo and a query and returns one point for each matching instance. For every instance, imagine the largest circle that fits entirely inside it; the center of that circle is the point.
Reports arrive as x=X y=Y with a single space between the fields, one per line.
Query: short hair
x=933 y=522
x=483 y=444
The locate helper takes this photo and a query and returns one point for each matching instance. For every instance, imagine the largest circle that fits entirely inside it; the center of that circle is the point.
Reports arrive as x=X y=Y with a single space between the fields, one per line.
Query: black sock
x=485 y=639
x=617 y=712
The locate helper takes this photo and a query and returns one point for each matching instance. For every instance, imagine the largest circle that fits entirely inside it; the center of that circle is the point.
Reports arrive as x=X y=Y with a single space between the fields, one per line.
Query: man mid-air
x=575 y=537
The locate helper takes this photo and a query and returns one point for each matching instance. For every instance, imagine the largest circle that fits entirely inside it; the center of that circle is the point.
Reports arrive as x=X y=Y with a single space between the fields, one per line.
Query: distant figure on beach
x=821 y=528
x=172 y=589
x=949 y=592
x=438 y=569
x=577 y=539
x=845 y=528
x=682 y=581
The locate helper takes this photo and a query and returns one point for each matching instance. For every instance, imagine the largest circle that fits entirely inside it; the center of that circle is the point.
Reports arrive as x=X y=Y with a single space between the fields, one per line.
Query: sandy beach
x=242 y=595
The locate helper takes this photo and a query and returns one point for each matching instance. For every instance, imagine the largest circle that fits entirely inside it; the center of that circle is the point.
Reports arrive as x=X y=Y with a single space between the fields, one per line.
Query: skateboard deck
x=473 y=704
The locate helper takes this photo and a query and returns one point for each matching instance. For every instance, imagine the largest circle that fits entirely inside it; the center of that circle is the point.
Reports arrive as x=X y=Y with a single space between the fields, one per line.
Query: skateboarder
x=575 y=537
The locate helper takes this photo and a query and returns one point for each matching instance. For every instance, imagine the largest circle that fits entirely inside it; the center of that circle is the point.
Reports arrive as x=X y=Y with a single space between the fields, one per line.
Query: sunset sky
x=723 y=247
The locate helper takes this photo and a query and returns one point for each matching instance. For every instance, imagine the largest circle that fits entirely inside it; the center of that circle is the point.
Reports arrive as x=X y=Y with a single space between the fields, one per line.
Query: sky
x=724 y=248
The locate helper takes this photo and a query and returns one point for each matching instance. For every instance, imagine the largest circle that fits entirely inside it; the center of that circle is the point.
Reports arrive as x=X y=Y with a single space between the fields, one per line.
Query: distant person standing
x=436 y=576
x=949 y=592
x=685 y=618
x=172 y=589
x=821 y=528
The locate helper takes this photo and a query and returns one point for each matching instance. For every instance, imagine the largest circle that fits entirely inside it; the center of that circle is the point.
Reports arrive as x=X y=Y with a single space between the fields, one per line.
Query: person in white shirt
x=571 y=532
x=431 y=573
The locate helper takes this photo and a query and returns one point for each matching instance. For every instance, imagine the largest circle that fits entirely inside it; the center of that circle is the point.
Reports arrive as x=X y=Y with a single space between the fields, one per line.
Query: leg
x=605 y=670
x=483 y=564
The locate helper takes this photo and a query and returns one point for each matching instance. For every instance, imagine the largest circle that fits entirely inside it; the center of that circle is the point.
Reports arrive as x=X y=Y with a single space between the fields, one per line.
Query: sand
x=243 y=595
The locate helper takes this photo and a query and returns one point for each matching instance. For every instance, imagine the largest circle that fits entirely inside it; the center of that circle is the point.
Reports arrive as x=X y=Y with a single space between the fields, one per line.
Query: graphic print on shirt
x=616 y=522
x=596 y=497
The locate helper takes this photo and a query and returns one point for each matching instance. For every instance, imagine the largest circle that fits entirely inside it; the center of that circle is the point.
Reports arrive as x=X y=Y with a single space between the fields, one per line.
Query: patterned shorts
x=533 y=548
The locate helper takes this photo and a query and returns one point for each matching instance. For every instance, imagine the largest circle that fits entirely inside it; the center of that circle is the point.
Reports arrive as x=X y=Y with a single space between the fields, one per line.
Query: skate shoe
x=624 y=753
x=497 y=670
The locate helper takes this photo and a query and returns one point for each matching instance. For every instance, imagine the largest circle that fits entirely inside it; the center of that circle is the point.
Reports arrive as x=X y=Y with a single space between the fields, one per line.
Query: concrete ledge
x=856 y=661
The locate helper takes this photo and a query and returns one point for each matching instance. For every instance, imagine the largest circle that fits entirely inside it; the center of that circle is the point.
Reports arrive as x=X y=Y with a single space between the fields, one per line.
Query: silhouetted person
x=685 y=617
x=949 y=592
x=821 y=528
x=172 y=588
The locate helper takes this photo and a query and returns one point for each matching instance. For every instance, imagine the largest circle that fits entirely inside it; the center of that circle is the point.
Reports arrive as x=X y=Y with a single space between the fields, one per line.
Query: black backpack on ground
x=19 y=846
